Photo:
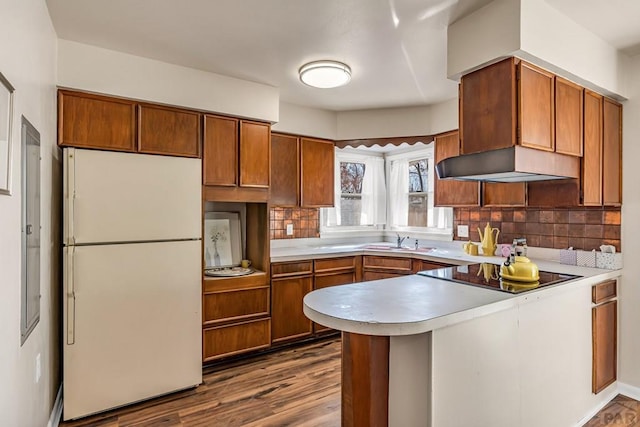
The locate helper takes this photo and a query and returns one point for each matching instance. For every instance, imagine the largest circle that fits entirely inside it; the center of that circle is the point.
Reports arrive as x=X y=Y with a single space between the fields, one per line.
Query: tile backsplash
x=306 y=222
x=581 y=228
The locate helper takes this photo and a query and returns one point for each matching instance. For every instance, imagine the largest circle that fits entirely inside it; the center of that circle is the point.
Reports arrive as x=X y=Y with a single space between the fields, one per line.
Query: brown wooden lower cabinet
x=333 y=272
x=289 y=321
x=235 y=315
x=604 y=318
x=383 y=267
x=229 y=340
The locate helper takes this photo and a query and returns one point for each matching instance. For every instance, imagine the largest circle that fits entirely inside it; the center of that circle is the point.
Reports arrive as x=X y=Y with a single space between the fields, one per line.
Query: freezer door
x=125 y=197
x=132 y=323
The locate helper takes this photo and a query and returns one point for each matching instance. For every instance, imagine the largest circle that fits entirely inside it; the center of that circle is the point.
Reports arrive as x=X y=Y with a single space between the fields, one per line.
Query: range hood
x=512 y=164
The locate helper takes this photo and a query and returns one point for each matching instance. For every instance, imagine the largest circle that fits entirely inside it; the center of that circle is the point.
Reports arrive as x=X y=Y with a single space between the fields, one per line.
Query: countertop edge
x=430 y=324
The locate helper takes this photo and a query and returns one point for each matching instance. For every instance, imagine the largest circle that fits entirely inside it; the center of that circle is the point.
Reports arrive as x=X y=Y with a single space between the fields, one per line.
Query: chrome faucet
x=400 y=240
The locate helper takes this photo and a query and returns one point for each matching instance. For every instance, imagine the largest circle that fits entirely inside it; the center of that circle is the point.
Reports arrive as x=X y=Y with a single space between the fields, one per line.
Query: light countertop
x=416 y=304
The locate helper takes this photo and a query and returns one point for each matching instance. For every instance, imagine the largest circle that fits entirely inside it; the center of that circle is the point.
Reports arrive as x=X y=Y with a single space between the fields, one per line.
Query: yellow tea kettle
x=522 y=270
x=487 y=240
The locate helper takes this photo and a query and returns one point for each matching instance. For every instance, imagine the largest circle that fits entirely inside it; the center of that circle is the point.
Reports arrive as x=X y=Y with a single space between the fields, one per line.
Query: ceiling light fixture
x=325 y=74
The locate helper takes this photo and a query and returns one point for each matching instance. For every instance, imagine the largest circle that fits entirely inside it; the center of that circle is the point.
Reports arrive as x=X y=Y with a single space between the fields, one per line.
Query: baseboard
x=609 y=397
x=56 y=411
x=629 y=390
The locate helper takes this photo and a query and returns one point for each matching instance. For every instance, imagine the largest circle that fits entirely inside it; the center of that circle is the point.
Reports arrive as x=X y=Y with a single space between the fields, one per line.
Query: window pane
x=351 y=175
x=350 y=209
x=418 y=171
x=417 y=211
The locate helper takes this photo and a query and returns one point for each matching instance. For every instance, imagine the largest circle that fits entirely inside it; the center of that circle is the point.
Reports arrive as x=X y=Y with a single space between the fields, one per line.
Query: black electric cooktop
x=487 y=275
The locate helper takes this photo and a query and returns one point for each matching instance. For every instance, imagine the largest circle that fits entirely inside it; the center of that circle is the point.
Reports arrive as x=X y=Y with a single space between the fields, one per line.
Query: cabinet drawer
x=236 y=304
x=291 y=268
x=235 y=339
x=332 y=264
x=377 y=275
x=603 y=291
x=333 y=280
x=399 y=265
x=428 y=265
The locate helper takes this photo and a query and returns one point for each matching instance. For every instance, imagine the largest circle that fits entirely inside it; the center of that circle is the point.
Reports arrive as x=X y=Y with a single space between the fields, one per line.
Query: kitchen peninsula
x=422 y=351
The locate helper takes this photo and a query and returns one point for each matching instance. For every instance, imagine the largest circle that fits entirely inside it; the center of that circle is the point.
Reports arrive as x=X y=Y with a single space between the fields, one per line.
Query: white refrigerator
x=132 y=278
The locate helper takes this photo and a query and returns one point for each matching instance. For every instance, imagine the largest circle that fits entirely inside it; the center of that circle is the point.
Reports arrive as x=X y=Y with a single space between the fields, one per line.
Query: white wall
x=307 y=121
x=392 y=122
x=28 y=60
x=535 y=31
x=581 y=56
x=82 y=66
x=375 y=123
x=479 y=38
x=630 y=289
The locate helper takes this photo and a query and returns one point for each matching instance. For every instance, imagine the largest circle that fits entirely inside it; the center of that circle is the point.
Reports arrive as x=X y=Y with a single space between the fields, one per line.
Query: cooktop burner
x=487 y=275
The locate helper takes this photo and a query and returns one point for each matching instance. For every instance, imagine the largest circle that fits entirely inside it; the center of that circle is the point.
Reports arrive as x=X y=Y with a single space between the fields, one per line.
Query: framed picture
x=222 y=239
x=6 y=118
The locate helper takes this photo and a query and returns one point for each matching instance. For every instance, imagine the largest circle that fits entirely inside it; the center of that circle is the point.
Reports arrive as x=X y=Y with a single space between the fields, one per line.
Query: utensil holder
x=568 y=256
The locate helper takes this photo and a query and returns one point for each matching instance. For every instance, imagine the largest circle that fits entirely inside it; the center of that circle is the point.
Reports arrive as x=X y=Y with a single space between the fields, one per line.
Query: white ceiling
x=395 y=48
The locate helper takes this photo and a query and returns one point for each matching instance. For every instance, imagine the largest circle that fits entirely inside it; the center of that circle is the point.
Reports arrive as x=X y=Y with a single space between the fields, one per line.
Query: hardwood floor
x=621 y=411
x=295 y=387
x=298 y=386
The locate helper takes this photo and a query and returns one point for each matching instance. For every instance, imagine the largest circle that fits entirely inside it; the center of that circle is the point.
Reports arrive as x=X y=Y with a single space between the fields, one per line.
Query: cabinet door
x=93 y=121
x=317 y=173
x=452 y=192
x=285 y=170
x=255 y=154
x=220 y=151
x=168 y=131
x=592 y=158
x=328 y=280
x=604 y=329
x=287 y=317
x=504 y=194
x=612 y=154
x=536 y=110
x=488 y=108
x=569 y=114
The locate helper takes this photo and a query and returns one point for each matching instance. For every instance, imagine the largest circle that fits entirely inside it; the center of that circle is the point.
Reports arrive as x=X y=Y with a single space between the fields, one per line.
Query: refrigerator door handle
x=71 y=298
x=71 y=195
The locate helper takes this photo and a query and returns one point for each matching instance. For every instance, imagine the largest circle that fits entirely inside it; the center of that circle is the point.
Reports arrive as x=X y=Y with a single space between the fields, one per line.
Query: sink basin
x=408 y=248
x=379 y=247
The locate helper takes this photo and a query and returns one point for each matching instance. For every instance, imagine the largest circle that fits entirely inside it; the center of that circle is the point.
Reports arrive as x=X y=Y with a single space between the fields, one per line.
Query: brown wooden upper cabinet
x=302 y=172
x=96 y=121
x=591 y=181
x=166 y=130
x=507 y=103
x=236 y=153
x=285 y=170
x=569 y=117
x=612 y=153
x=453 y=192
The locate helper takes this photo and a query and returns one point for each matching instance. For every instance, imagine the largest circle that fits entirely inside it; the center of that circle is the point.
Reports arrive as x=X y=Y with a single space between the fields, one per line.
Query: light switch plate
x=463 y=231
x=289 y=229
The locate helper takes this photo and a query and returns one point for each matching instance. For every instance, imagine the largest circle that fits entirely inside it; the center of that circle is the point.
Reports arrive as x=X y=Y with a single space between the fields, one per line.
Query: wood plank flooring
x=295 y=387
x=298 y=386
x=621 y=411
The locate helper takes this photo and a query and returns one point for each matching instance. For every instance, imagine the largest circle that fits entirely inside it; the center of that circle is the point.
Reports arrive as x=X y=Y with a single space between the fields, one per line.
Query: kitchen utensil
x=522 y=270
